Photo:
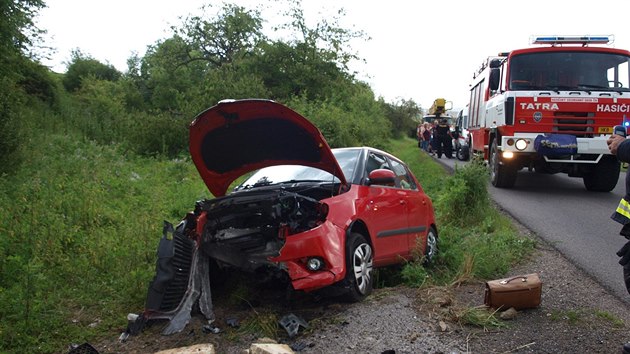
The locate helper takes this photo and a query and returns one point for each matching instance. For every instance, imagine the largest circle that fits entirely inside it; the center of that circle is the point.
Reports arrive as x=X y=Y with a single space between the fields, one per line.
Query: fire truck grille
x=581 y=124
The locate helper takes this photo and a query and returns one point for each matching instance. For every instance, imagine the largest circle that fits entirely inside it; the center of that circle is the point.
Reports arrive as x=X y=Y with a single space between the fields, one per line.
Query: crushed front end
x=245 y=231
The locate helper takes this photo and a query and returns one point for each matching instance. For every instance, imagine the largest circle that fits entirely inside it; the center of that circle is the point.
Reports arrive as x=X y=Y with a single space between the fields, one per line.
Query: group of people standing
x=436 y=138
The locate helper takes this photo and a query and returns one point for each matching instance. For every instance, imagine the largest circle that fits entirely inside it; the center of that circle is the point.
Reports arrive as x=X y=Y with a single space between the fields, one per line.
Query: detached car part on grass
x=310 y=216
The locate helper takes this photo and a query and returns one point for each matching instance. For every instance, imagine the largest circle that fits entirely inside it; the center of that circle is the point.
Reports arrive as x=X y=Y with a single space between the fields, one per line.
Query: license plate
x=605 y=130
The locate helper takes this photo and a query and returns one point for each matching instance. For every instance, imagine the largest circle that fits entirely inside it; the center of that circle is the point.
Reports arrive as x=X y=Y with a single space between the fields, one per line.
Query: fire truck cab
x=550 y=109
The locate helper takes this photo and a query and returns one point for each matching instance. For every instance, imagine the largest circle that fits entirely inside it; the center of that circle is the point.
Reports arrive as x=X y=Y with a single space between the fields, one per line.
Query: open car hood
x=235 y=137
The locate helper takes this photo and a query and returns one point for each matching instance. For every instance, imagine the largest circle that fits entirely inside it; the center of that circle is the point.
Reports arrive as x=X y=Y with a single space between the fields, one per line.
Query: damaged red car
x=313 y=216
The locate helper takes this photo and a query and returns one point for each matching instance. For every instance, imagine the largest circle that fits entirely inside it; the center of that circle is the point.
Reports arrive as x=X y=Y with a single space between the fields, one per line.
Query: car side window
x=375 y=161
x=403 y=180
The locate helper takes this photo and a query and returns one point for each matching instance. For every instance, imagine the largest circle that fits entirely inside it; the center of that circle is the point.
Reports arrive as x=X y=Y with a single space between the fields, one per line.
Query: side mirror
x=382 y=177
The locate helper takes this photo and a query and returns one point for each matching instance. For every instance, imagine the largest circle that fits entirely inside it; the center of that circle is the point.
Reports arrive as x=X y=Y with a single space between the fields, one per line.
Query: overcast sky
x=419 y=50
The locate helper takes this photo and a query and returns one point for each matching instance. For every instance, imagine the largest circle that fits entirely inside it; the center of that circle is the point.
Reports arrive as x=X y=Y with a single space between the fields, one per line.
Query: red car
x=313 y=216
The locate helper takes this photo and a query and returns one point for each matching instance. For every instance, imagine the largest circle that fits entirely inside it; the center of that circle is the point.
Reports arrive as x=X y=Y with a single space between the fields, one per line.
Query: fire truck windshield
x=569 y=70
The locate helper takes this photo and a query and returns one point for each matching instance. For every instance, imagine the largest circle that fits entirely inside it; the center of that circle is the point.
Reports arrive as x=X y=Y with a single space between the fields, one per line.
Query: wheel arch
x=360 y=227
x=494 y=133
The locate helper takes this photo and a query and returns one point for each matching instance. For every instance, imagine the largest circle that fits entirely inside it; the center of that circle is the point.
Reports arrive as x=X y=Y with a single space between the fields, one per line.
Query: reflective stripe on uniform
x=624 y=208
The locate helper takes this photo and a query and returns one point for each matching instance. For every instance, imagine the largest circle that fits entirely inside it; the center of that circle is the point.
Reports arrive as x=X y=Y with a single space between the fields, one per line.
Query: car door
x=385 y=214
x=416 y=205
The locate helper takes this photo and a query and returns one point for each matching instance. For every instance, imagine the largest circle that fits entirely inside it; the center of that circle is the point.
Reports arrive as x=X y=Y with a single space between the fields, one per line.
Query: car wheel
x=431 y=249
x=359 y=271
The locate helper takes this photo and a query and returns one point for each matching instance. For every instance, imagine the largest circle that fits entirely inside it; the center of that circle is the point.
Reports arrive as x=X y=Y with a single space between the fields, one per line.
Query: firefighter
x=443 y=139
x=619 y=146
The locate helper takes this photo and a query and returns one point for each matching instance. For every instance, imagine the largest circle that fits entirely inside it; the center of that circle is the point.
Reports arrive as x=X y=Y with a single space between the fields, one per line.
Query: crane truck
x=550 y=108
x=438 y=111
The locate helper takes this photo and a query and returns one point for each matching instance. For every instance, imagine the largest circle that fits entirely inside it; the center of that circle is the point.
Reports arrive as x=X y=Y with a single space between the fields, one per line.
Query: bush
x=11 y=134
x=37 y=81
x=464 y=199
x=157 y=134
x=83 y=67
x=355 y=121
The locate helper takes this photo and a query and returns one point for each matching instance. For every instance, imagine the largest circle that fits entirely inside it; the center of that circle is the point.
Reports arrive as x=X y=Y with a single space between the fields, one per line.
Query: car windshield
x=569 y=71
x=346 y=158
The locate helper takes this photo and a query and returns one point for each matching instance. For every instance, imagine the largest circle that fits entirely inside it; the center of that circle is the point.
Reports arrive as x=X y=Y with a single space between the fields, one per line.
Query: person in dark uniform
x=619 y=146
x=443 y=139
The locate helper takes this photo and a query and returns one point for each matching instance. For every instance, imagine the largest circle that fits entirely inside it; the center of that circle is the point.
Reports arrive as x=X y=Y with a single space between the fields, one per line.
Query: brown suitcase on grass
x=520 y=292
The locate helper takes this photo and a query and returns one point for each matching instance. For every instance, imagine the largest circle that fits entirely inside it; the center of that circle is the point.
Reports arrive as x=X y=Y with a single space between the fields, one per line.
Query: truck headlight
x=521 y=144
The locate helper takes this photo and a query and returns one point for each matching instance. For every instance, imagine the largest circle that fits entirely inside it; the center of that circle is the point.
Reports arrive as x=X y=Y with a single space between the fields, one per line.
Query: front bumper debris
x=181 y=268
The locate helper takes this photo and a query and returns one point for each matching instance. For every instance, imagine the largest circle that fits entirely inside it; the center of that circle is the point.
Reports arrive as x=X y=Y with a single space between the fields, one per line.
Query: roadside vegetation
x=93 y=159
x=475 y=240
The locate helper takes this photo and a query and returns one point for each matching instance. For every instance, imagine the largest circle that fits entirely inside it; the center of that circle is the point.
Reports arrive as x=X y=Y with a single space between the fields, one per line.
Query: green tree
x=17 y=35
x=313 y=62
x=327 y=40
x=401 y=115
x=164 y=79
x=235 y=33
x=82 y=66
x=200 y=63
x=37 y=81
x=17 y=30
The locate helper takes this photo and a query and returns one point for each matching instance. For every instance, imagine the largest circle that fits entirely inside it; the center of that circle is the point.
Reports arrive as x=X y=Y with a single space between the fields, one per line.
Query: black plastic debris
x=299 y=346
x=210 y=328
x=232 y=322
x=84 y=348
x=181 y=281
x=291 y=323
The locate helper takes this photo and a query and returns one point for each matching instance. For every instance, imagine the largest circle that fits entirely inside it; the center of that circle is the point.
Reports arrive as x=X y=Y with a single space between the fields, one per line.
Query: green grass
x=478 y=317
x=614 y=320
x=573 y=317
x=79 y=226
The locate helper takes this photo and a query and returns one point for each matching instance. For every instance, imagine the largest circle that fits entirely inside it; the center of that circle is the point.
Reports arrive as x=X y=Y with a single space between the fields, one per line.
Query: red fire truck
x=567 y=94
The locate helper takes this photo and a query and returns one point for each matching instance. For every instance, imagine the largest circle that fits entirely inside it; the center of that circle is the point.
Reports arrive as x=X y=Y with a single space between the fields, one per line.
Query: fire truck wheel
x=604 y=177
x=501 y=175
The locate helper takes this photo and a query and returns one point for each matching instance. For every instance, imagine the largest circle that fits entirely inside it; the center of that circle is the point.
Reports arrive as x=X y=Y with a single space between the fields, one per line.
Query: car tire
x=431 y=247
x=359 y=268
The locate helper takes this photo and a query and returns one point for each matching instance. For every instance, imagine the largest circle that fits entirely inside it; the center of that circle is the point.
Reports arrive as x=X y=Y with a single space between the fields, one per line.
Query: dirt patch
x=576 y=315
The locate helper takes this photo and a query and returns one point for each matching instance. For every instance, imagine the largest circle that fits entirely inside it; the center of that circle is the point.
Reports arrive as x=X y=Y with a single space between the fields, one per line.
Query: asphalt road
x=576 y=222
